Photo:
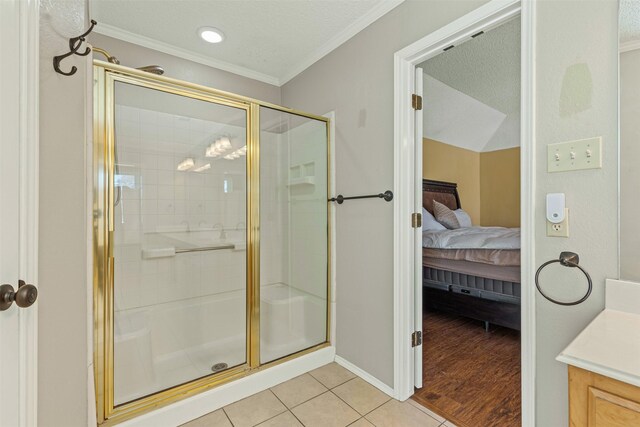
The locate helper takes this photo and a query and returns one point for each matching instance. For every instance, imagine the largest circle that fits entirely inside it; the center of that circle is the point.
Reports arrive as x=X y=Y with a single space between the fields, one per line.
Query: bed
x=472 y=272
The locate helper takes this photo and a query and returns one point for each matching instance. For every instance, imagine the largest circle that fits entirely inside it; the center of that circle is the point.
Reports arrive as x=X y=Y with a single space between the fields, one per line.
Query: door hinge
x=416 y=338
x=416 y=102
x=416 y=220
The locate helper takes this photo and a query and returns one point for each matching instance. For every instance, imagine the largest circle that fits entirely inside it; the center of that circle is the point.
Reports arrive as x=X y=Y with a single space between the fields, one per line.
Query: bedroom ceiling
x=474 y=101
x=268 y=40
x=486 y=68
x=629 y=21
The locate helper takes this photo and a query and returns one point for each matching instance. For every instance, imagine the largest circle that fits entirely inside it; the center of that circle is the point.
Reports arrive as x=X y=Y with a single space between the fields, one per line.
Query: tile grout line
x=288 y=409
x=227 y=415
x=361 y=415
x=302 y=403
x=364 y=415
x=337 y=385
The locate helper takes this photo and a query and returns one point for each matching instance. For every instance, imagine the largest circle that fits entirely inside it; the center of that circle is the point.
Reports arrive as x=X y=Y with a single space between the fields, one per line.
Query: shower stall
x=211 y=238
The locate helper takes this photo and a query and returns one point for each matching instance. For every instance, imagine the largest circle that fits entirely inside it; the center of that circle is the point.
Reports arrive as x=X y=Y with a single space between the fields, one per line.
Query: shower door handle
x=24 y=297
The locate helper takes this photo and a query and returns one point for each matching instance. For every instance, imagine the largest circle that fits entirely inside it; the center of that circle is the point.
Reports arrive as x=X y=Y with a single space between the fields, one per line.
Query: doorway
x=471 y=229
x=409 y=186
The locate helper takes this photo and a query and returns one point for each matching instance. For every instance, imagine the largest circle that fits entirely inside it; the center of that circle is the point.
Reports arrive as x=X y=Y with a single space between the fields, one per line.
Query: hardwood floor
x=471 y=377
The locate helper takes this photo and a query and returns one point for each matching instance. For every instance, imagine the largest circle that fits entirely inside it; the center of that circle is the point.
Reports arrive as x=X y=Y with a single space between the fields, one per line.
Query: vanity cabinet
x=599 y=401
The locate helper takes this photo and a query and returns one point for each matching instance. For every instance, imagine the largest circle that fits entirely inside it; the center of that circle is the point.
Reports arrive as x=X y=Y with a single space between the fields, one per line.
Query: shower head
x=153 y=69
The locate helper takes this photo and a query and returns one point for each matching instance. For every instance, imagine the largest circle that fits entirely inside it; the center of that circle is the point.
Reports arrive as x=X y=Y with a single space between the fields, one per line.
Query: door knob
x=25 y=296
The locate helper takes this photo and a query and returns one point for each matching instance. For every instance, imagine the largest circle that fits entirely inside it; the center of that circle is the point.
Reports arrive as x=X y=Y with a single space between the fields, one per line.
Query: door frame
x=405 y=62
x=26 y=26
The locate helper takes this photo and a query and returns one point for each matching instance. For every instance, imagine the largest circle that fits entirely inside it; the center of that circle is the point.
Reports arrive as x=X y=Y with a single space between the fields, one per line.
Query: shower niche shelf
x=305 y=180
x=302 y=175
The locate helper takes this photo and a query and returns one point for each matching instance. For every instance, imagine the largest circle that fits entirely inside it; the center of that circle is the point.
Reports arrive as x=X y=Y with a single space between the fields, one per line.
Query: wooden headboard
x=444 y=192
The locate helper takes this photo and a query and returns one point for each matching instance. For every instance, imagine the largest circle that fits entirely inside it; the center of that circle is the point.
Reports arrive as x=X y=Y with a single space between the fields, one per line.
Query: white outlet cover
x=575 y=155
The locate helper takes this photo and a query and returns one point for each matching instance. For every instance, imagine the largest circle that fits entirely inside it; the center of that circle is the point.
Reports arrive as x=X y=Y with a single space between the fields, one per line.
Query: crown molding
x=127 y=36
x=630 y=45
x=360 y=24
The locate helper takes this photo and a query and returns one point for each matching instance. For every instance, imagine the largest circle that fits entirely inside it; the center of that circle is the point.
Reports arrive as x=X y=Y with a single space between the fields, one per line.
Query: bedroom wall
x=629 y=172
x=488 y=183
x=444 y=162
x=500 y=188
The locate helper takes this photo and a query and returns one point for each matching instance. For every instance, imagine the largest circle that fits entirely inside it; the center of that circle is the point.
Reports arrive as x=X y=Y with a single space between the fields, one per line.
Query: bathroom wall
x=62 y=286
x=356 y=80
x=629 y=172
x=576 y=97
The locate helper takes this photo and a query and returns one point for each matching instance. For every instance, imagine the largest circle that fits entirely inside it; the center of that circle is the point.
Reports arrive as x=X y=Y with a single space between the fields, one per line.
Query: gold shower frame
x=105 y=77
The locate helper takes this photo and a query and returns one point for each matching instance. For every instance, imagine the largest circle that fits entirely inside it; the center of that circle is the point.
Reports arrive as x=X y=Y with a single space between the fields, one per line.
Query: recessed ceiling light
x=210 y=34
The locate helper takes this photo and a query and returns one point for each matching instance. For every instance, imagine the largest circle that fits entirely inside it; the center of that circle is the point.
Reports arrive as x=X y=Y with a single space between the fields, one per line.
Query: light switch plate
x=575 y=155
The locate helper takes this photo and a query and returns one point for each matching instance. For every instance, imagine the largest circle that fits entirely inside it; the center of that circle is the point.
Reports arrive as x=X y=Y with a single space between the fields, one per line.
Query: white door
x=18 y=214
x=417 y=281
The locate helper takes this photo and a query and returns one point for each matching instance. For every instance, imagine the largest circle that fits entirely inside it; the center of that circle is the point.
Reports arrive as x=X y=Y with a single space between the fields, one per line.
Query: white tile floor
x=329 y=396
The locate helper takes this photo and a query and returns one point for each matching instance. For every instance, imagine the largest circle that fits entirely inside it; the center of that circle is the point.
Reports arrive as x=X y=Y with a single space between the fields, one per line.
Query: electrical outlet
x=560 y=229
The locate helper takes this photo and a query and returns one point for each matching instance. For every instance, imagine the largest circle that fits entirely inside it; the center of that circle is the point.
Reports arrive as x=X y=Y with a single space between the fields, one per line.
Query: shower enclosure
x=210 y=238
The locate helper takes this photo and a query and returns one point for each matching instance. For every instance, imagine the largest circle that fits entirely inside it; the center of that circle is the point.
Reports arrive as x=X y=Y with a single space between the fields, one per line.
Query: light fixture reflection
x=242 y=151
x=203 y=168
x=186 y=164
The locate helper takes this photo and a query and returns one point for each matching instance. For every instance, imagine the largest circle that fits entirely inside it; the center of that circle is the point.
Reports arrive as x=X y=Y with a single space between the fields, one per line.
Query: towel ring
x=567 y=259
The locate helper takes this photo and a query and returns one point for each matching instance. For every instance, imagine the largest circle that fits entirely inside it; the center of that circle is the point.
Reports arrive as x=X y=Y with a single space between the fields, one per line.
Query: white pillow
x=463 y=218
x=429 y=223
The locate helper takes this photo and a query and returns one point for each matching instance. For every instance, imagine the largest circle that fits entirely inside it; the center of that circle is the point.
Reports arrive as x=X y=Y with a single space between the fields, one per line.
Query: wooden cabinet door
x=609 y=410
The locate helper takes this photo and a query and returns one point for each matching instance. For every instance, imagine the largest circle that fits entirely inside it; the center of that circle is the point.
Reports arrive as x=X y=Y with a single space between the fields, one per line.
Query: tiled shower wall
x=158 y=199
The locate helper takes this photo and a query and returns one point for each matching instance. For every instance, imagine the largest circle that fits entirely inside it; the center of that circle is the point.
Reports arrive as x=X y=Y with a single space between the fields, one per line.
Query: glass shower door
x=179 y=239
x=294 y=291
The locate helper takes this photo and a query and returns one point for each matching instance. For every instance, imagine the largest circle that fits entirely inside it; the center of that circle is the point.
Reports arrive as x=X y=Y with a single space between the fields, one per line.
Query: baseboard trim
x=365 y=376
x=201 y=404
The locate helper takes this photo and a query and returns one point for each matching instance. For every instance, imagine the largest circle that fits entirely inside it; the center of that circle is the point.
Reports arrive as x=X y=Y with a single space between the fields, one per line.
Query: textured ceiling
x=457 y=119
x=486 y=68
x=271 y=37
x=629 y=20
x=472 y=92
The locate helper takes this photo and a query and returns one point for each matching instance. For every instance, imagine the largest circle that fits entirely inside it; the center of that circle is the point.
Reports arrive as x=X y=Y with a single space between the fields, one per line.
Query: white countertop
x=610 y=344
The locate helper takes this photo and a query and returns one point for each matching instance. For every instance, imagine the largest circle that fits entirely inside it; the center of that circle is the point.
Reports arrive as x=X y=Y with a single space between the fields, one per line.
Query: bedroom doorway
x=471 y=229
x=470 y=293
